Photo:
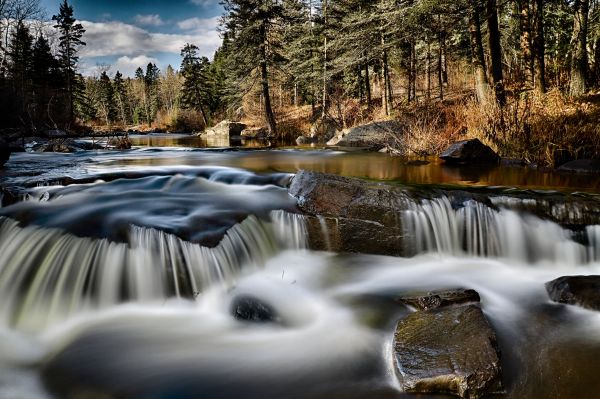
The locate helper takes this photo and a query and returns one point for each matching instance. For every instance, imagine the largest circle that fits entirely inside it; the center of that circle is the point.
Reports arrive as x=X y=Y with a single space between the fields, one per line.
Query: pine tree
x=106 y=99
x=197 y=90
x=250 y=25
x=120 y=98
x=151 y=80
x=20 y=52
x=69 y=43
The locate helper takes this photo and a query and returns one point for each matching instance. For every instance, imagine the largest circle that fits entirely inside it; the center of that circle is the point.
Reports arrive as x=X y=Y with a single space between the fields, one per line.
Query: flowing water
x=118 y=272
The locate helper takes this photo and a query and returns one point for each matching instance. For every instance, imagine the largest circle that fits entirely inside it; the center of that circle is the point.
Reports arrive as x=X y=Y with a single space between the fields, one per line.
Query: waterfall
x=476 y=229
x=47 y=275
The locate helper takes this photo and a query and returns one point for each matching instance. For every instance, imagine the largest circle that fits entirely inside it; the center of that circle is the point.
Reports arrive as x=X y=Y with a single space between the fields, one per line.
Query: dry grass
x=547 y=130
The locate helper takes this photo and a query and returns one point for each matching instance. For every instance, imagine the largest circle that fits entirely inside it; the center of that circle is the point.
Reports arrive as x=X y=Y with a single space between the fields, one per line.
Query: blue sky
x=130 y=33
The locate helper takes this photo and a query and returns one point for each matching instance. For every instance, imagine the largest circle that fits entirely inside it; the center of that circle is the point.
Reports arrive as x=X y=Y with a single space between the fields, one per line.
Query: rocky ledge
x=583 y=291
x=446 y=348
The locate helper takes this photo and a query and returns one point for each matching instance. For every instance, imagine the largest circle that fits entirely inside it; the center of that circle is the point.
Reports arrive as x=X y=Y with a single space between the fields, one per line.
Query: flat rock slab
x=439 y=299
x=582 y=291
x=447 y=350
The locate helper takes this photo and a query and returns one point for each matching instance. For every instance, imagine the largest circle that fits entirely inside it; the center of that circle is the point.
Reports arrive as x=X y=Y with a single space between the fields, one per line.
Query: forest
x=518 y=74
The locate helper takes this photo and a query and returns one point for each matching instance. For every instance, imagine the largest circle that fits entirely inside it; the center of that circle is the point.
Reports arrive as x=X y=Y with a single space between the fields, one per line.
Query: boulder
x=447 y=350
x=251 y=309
x=582 y=291
x=4 y=152
x=581 y=166
x=470 y=151
x=255 y=133
x=56 y=133
x=226 y=129
x=374 y=135
x=439 y=299
x=323 y=129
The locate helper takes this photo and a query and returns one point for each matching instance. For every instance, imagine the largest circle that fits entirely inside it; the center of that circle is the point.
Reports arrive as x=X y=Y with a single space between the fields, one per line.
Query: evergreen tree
x=120 y=98
x=106 y=98
x=20 y=52
x=197 y=90
x=69 y=43
x=251 y=27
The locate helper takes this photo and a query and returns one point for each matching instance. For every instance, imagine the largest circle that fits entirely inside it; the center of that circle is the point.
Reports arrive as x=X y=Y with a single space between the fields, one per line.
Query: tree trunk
x=428 y=70
x=477 y=55
x=579 y=66
x=367 y=84
x=384 y=92
x=264 y=74
x=495 y=52
x=539 y=48
x=440 y=68
x=525 y=41
x=324 y=113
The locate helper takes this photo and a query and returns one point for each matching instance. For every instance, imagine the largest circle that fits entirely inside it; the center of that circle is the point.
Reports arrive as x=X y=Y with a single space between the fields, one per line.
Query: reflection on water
x=374 y=166
x=191 y=141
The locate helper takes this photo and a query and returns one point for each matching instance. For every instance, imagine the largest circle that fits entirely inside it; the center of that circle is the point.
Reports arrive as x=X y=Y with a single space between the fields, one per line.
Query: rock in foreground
x=470 y=151
x=439 y=299
x=4 y=152
x=582 y=291
x=448 y=350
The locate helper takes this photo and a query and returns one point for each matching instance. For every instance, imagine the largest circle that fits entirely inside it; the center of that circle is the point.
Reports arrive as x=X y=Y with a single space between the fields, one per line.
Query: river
x=118 y=271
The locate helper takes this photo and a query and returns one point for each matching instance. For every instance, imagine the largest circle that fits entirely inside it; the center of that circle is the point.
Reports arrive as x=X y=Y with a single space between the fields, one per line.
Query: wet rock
x=4 y=152
x=581 y=166
x=582 y=291
x=226 y=129
x=439 y=299
x=255 y=133
x=447 y=350
x=470 y=151
x=251 y=309
x=374 y=135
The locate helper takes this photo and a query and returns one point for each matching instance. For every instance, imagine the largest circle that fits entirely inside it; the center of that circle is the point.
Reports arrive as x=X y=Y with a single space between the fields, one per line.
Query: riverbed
x=119 y=269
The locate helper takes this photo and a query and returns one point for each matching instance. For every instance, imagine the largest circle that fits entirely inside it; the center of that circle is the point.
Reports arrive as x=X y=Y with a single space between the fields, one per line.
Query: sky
x=127 y=34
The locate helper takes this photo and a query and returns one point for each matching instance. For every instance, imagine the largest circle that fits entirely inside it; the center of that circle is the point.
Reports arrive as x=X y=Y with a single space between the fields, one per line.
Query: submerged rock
x=582 y=291
x=4 y=152
x=374 y=135
x=251 y=309
x=581 y=166
x=470 y=151
x=447 y=350
x=226 y=129
x=439 y=299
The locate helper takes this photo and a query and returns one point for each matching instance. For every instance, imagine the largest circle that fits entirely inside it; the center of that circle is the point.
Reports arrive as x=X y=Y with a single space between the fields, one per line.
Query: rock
x=323 y=129
x=582 y=291
x=255 y=133
x=374 y=135
x=439 y=299
x=513 y=162
x=581 y=166
x=447 y=350
x=470 y=151
x=4 y=152
x=64 y=147
x=226 y=129
x=249 y=308
x=56 y=133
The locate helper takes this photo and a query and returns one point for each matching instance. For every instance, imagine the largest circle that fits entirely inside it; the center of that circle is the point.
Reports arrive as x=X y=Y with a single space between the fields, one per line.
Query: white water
x=152 y=316
x=477 y=230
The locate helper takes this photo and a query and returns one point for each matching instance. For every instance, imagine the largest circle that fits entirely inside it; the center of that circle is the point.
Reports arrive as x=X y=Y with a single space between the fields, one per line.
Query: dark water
x=115 y=283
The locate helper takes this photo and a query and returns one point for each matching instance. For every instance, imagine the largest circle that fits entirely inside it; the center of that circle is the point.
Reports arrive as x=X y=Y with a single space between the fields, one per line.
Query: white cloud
x=120 y=39
x=128 y=65
x=148 y=20
x=204 y=3
x=199 y=24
